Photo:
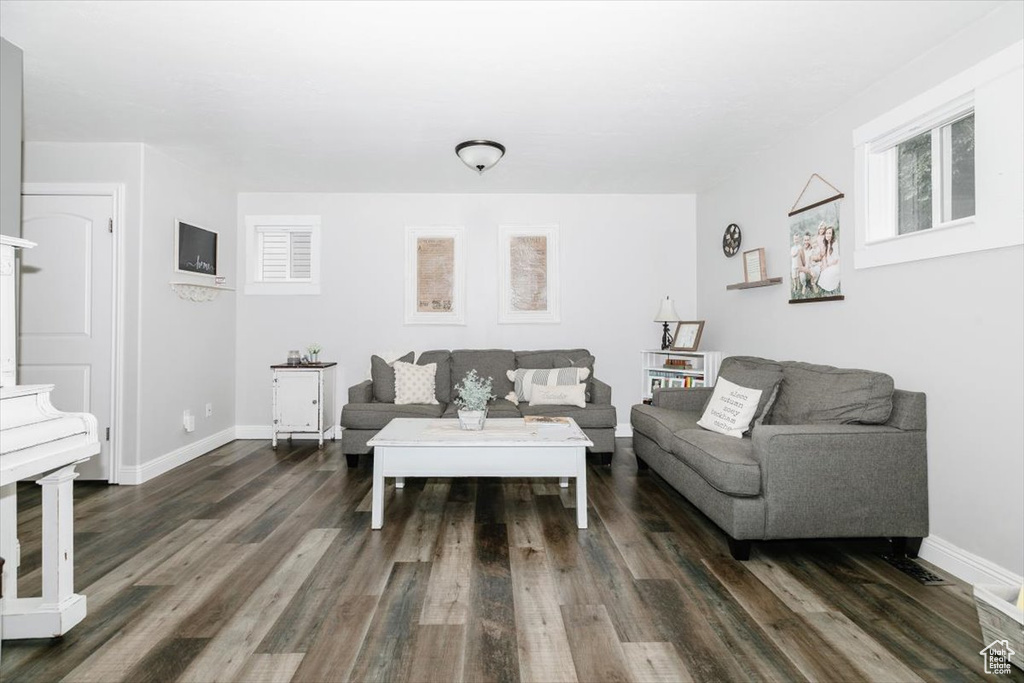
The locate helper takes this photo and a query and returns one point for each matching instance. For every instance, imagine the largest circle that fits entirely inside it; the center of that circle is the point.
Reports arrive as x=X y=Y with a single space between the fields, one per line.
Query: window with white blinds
x=283 y=254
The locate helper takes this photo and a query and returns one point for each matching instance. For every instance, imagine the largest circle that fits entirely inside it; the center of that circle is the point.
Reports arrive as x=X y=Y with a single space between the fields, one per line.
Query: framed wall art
x=195 y=249
x=528 y=268
x=814 y=248
x=435 y=276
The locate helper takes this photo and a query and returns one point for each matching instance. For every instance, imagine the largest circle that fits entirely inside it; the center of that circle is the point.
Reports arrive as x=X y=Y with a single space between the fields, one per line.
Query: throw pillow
x=730 y=409
x=526 y=380
x=754 y=373
x=414 y=383
x=580 y=360
x=559 y=395
x=382 y=373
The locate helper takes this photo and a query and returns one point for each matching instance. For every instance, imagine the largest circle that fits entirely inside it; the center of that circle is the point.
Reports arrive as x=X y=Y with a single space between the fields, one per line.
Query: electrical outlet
x=209 y=410
x=189 y=421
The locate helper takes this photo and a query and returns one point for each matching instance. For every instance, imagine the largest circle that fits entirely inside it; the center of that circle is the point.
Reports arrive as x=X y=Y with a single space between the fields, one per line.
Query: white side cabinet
x=303 y=399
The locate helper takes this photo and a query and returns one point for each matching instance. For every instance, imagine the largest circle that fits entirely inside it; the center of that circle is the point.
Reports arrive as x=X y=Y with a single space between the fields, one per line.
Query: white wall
x=177 y=354
x=187 y=348
x=10 y=138
x=952 y=327
x=619 y=255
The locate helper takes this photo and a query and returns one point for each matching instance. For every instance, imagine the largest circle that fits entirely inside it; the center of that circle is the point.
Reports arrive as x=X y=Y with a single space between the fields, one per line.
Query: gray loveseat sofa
x=833 y=453
x=370 y=407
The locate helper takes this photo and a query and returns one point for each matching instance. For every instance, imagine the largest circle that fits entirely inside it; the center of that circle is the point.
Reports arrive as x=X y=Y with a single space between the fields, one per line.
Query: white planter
x=472 y=420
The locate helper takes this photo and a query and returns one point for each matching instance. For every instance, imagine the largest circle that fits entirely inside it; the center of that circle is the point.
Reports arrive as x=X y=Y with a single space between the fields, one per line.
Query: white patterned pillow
x=559 y=395
x=525 y=379
x=414 y=383
x=730 y=409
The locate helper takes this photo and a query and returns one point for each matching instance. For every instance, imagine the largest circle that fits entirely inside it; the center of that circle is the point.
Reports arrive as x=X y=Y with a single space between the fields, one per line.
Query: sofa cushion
x=499 y=407
x=383 y=375
x=493 y=363
x=726 y=463
x=524 y=380
x=546 y=359
x=377 y=415
x=443 y=376
x=592 y=416
x=754 y=373
x=659 y=424
x=821 y=394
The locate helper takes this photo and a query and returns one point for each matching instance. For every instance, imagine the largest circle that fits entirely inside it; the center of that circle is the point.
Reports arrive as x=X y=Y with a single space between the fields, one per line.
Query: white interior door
x=66 y=308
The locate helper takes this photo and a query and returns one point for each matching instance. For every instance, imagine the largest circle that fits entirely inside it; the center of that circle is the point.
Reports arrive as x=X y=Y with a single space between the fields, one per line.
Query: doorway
x=68 y=332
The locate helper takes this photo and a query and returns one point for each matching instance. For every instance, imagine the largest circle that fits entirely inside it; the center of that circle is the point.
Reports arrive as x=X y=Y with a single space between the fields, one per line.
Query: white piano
x=37 y=442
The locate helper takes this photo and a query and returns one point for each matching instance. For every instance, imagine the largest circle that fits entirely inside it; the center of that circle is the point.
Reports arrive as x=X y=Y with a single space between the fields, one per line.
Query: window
x=283 y=255
x=923 y=187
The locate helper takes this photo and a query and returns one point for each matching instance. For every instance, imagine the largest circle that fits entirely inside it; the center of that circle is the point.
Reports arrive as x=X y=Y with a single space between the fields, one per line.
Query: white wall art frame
x=528 y=264
x=435 y=276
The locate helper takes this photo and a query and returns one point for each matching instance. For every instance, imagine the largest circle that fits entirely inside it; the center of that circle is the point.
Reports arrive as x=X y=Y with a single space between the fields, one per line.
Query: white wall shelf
x=192 y=291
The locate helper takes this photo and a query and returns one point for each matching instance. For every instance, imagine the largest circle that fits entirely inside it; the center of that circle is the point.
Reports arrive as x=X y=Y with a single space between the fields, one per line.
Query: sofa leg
x=903 y=546
x=641 y=464
x=352 y=459
x=740 y=550
x=606 y=459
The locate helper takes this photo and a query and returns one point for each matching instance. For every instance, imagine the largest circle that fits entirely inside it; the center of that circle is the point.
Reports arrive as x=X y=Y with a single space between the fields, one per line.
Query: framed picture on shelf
x=753 y=266
x=656 y=383
x=687 y=337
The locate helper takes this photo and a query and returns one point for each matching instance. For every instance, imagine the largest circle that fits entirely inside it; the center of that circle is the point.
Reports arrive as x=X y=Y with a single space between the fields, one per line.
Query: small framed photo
x=753 y=266
x=656 y=383
x=687 y=337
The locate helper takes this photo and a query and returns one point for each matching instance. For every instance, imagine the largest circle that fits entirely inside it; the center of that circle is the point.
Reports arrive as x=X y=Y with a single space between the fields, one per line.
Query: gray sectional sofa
x=832 y=453
x=371 y=407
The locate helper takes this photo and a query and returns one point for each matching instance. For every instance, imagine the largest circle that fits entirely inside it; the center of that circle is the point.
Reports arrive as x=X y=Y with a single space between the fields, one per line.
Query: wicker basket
x=1000 y=619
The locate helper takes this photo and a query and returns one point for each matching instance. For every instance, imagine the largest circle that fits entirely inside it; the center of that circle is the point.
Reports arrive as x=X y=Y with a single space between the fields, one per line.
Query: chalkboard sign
x=195 y=250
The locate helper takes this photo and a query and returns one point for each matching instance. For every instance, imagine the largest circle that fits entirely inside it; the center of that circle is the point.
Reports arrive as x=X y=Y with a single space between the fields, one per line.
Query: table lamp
x=667 y=314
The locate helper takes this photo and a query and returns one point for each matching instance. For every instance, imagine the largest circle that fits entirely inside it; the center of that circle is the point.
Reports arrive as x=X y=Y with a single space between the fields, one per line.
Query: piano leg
x=9 y=539
x=58 y=536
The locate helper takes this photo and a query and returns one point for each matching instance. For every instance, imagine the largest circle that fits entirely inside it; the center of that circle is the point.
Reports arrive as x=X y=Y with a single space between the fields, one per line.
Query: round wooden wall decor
x=731 y=240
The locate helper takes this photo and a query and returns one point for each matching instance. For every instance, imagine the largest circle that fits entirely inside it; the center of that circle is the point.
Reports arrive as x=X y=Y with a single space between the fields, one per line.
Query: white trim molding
x=154 y=468
x=965 y=565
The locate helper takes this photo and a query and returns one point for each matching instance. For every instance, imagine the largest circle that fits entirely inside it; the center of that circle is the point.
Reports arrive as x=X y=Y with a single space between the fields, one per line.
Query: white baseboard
x=265 y=432
x=165 y=463
x=965 y=565
x=624 y=430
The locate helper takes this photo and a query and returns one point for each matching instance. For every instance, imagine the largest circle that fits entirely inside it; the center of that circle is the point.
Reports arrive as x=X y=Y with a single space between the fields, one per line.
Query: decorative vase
x=314 y=357
x=472 y=420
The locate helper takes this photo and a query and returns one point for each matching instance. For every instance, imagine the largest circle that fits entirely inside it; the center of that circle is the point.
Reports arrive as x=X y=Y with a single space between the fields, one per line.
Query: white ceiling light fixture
x=480 y=155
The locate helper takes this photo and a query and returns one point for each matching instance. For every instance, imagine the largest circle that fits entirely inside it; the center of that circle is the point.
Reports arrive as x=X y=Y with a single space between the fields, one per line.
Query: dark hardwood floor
x=254 y=565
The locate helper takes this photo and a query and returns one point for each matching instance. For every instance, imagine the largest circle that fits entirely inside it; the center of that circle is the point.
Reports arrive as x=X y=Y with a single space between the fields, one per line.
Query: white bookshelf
x=667 y=369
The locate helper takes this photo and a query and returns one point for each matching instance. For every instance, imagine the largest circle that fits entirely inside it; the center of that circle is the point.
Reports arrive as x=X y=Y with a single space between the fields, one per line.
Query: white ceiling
x=372 y=97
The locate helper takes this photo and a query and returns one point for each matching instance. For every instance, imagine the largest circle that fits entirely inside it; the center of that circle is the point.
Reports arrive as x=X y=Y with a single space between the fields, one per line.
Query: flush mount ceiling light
x=480 y=155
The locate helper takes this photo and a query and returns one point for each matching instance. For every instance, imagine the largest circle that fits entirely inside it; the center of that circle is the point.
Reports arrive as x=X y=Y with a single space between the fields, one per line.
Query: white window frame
x=254 y=225
x=877 y=242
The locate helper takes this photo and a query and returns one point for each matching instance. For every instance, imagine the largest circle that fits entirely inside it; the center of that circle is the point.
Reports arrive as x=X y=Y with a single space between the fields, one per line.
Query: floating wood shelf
x=760 y=283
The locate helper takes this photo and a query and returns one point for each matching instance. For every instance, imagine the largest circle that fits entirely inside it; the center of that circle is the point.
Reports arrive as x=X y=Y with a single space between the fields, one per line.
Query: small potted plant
x=314 y=352
x=473 y=393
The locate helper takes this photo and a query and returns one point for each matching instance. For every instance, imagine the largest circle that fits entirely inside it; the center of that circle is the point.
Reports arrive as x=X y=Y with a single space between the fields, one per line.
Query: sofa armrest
x=842 y=480
x=692 y=399
x=600 y=393
x=361 y=393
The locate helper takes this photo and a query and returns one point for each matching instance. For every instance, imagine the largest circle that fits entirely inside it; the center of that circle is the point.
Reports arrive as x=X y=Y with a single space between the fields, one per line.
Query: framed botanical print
x=528 y=266
x=435 y=276
x=687 y=336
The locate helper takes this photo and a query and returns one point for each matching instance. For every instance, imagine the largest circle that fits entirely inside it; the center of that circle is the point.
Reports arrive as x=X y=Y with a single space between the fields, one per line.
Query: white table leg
x=9 y=539
x=58 y=536
x=399 y=482
x=581 y=488
x=377 y=498
x=563 y=482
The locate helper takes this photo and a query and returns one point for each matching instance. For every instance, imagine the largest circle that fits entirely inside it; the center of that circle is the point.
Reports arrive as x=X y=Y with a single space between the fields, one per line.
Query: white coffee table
x=410 y=447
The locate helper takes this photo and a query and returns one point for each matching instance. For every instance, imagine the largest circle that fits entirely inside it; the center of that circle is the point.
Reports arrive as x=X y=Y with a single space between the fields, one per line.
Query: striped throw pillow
x=526 y=379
